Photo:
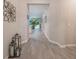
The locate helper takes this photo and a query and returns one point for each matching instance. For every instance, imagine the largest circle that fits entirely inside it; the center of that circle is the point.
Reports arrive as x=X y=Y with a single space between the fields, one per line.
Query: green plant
x=34 y=22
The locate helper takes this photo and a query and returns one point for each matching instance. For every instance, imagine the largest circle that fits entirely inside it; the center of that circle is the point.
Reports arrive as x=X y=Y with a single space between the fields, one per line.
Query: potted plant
x=34 y=22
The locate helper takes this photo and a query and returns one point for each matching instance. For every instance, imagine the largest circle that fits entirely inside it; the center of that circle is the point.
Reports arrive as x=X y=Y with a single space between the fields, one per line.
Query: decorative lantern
x=17 y=40
x=18 y=44
x=15 y=46
x=11 y=49
x=13 y=38
x=17 y=51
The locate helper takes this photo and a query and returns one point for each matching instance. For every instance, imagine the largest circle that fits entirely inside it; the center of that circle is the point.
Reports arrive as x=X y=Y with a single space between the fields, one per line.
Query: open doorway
x=35 y=13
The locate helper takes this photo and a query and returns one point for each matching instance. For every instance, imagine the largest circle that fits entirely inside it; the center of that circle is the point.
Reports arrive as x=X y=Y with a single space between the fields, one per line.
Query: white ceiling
x=37 y=10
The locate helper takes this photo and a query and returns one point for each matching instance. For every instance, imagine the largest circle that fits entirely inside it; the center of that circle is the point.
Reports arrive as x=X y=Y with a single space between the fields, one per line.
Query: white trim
x=51 y=40
x=25 y=41
x=62 y=46
x=54 y=42
x=68 y=45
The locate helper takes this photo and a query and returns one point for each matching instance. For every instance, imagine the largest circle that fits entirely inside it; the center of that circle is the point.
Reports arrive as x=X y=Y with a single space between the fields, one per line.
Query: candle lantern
x=17 y=40
x=13 y=38
x=11 y=49
x=18 y=44
x=17 y=51
x=15 y=46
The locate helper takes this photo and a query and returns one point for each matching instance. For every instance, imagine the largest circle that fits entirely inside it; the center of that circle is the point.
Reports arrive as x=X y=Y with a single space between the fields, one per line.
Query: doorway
x=35 y=13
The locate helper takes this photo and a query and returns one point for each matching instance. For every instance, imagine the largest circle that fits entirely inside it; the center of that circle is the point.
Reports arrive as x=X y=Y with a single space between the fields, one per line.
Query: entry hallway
x=38 y=47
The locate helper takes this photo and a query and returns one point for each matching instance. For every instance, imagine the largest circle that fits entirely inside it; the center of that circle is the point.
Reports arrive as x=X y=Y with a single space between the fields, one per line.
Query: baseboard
x=68 y=45
x=54 y=42
x=60 y=45
x=25 y=41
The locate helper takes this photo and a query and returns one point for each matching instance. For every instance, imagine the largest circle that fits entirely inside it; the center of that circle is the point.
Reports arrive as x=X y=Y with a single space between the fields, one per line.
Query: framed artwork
x=9 y=11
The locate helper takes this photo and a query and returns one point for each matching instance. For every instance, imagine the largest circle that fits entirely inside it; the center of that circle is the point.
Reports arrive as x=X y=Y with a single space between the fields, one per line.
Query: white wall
x=20 y=26
x=37 y=10
x=60 y=26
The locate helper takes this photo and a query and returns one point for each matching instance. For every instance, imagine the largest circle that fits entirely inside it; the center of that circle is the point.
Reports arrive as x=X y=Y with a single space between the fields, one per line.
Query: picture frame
x=9 y=12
